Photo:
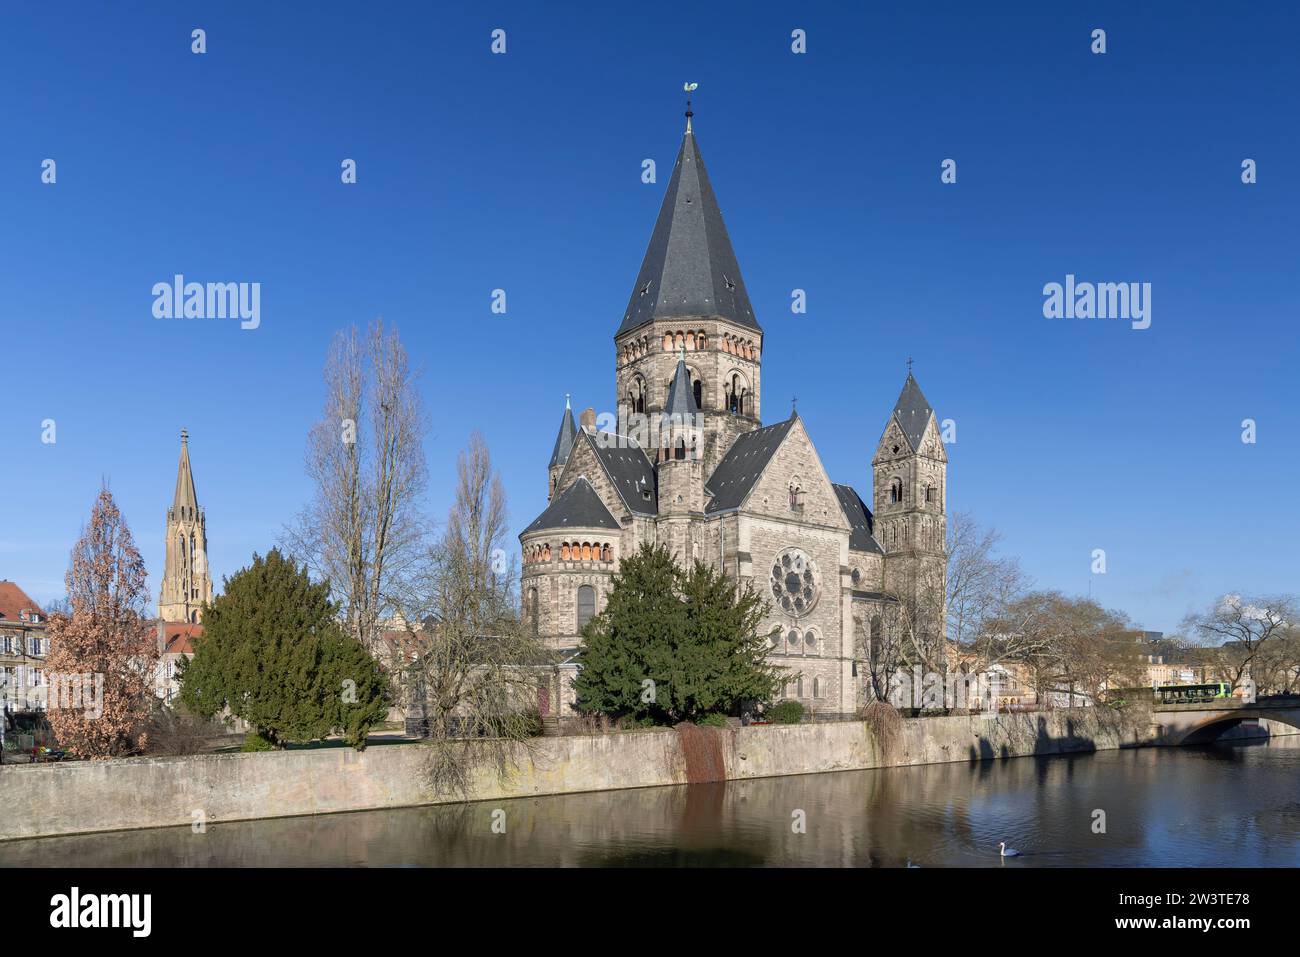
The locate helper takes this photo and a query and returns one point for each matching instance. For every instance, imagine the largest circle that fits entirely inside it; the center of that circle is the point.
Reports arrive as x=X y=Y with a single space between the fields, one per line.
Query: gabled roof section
x=185 y=497
x=744 y=462
x=861 y=536
x=14 y=601
x=578 y=506
x=689 y=267
x=913 y=412
x=681 y=397
x=629 y=469
x=564 y=440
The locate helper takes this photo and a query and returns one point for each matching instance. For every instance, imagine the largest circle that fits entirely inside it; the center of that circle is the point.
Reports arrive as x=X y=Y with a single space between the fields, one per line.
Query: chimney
x=588 y=420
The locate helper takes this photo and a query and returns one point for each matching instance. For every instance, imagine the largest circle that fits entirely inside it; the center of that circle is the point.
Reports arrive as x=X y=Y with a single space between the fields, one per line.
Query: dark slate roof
x=861 y=537
x=578 y=506
x=689 y=267
x=564 y=440
x=913 y=412
x=743 y=464
x=628 y=469
x=681 y=397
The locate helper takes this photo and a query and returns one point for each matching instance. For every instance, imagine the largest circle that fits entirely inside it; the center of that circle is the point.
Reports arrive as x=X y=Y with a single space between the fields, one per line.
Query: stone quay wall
x=86 y=796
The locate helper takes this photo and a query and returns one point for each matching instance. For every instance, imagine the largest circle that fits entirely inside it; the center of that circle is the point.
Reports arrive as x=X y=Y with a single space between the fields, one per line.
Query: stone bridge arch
x=1204 y=728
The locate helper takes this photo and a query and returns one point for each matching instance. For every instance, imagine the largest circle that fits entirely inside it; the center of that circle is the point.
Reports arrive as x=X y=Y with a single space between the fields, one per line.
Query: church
x=687 y=463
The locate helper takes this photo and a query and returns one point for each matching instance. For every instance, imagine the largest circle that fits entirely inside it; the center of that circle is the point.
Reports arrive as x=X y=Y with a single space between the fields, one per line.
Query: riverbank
x=84 y=796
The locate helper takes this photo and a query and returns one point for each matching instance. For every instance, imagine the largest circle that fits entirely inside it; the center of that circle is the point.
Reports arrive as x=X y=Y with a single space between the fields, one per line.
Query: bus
x=1191 y=694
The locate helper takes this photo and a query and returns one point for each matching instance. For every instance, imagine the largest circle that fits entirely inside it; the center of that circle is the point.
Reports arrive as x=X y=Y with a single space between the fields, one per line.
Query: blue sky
x=478 y=171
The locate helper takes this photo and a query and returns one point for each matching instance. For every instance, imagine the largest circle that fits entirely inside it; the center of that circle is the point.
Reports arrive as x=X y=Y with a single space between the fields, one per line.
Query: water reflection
x=1219 y=806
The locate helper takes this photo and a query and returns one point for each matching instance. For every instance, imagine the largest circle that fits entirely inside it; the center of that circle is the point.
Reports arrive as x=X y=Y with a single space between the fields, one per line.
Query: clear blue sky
x=522 y=172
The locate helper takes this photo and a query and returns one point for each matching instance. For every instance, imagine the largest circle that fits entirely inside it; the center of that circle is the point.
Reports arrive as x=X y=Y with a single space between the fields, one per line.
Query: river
x=1217 y=806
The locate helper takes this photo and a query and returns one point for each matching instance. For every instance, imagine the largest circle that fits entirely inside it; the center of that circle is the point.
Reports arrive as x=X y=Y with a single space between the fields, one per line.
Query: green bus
x=1191 y=694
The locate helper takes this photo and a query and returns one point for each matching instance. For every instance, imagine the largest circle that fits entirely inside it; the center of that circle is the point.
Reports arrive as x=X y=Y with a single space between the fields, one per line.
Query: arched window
x=792 y=639
x=636 y=394
x=586 y=551
x=605 y=553
x=798 y=688
x=564 y=552
x=546 y=552
x=810 y=639
x=817 y=687
x=679 y=451
x=896 y=490
x=796 y=495
x=698 y=387
x=586 y=605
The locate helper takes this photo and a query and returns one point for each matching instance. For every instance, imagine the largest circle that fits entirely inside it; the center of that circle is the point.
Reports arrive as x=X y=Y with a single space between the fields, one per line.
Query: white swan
x=1007 y=851
x=910 y=864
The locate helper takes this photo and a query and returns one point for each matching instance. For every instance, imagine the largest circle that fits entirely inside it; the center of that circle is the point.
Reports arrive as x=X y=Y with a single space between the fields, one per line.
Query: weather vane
x=689 y=88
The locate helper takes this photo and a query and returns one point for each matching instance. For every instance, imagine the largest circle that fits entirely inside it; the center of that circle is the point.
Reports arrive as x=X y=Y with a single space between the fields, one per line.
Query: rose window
x=794 y=582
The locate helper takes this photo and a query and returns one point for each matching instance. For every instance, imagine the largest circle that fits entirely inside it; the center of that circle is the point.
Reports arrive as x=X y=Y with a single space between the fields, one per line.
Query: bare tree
x=473 y=666
x=103 y=653
x=1235 y=631
x=1069 y=646
x=981 y=584
x=363 y=530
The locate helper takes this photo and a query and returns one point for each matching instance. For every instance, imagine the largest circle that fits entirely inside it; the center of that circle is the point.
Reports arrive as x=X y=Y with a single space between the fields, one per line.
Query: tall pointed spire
x=564 y=440
x=186 y=582
x=185 y=497
x=689 y=267
x=912 y=410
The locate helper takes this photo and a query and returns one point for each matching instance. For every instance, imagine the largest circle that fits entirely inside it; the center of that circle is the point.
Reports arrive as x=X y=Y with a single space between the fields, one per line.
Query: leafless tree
x=1235 y=631
x=473 y=666
x=363 y=530
x=981 y=584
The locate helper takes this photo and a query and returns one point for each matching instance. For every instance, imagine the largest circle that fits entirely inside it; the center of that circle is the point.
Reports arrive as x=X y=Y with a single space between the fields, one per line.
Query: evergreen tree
x=694 y=635
x=273 y=652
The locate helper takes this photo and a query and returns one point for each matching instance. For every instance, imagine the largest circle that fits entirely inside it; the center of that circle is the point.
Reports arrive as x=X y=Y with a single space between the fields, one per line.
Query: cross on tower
x=909 y=365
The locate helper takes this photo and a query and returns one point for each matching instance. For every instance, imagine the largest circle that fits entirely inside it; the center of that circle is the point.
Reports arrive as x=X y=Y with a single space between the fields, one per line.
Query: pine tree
x=273 y=652
x=672 y=645
x=103 y=653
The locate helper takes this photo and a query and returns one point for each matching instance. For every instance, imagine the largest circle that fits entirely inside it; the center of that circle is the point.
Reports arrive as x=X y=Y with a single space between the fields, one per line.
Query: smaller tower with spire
x=186 y=584
x=563 y=448
x=910 y=472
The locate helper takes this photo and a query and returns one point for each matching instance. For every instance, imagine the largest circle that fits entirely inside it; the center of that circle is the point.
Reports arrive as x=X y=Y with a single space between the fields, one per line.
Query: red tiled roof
x=14 y=601
x=177 y=635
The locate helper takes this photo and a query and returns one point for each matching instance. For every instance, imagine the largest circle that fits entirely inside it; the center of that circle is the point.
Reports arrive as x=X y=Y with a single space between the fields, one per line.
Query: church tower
x=689 y=304
x=186 y=584
x=681 y=470
x=910 y=473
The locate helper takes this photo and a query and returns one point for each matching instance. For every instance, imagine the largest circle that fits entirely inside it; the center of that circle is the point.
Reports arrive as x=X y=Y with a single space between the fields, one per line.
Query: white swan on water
x=1007 y=851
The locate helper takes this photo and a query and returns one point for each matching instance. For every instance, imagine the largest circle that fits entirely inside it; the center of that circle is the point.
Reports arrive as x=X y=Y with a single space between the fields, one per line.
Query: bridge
x=1201 y=722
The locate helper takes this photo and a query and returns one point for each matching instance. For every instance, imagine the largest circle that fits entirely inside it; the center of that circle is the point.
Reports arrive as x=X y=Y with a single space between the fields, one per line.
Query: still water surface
x=1204 y=807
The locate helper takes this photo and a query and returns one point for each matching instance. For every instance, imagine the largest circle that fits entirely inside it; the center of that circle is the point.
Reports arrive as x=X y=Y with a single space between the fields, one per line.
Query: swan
x=910 y=864
x=1007 y=851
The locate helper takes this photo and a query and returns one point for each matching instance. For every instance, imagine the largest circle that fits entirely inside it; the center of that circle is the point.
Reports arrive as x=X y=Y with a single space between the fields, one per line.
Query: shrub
x=785 y=712
x=255 y=742
x=533 y=724
x=713 y=721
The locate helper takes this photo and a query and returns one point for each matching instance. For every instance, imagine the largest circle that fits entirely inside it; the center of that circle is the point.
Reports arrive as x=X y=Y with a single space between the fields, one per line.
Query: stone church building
x=687 y=462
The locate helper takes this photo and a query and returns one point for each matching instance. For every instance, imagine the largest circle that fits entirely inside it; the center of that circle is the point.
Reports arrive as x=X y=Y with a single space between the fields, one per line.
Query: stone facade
x=754 y=501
